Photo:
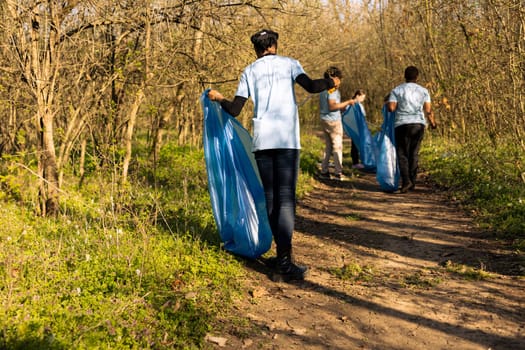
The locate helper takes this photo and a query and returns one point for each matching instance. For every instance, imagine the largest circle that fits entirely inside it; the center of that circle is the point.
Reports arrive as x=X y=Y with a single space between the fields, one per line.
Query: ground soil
x=419 y=255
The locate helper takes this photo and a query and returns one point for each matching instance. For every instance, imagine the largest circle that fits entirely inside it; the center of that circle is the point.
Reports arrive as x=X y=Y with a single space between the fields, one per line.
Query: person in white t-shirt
x=411 y=103
x=270 y=82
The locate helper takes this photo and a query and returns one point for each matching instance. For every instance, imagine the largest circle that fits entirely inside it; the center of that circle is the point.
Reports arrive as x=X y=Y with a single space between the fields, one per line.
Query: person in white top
x=270 y=82
x=411 y=103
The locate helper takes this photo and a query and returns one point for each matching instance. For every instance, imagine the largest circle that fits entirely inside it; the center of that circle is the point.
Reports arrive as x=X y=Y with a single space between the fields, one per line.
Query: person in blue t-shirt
x=270 y=82
x=411 y=103
x=330 y=107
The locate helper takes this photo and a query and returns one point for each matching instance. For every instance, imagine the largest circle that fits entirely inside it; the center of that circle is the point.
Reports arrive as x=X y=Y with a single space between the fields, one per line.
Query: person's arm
x=427 y=109
x=392 y=106
x=315 y=85
x=232 y=107
x=334 y=106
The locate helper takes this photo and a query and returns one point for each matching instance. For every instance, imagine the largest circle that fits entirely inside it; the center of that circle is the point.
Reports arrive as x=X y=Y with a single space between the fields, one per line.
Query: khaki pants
x=333 y=135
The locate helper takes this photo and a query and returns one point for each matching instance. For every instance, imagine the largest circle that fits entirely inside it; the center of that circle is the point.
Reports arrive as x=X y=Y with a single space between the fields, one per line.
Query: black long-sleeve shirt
x=311 y=85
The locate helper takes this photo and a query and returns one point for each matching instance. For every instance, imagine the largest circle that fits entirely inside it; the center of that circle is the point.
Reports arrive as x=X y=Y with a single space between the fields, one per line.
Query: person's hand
x=433 y=124
x=360 y=98
x=215 y=95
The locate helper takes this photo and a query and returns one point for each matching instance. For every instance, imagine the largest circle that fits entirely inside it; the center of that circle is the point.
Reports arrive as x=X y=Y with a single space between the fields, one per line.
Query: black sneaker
x=407 y=187
x=293 y=273
x=324 y=176
x=286 y=270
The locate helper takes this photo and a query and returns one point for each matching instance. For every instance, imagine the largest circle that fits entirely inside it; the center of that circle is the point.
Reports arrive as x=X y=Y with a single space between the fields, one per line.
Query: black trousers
x=408 y=142
x=354 y=153
x=279 y=169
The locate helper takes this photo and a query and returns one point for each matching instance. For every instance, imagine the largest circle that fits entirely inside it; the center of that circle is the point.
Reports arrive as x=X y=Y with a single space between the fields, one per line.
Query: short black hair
x=411 y=73
x=359 y=92
x=333 y=72
x=264 y=39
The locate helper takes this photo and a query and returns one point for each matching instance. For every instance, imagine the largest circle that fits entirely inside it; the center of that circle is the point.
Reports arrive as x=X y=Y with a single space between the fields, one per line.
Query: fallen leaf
x=216 y=340
x=246 y=343
x=258 y=292
x=190 y=295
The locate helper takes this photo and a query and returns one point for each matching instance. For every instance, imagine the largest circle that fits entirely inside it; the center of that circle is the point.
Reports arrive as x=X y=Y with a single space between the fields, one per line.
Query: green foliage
x=174 y=192
x=106 y=274
x=467 y=272
x=354 y=217
x=87 y=287
x=353 y=272
x=15 y=177
x=308 y=165
x=311 y=147
x=421 y=279
x=488 y=181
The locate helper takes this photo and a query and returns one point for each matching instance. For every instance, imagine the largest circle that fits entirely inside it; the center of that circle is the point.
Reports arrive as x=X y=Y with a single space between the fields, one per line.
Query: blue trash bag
x=355 y=126
x=387 y=168
x=236 y=191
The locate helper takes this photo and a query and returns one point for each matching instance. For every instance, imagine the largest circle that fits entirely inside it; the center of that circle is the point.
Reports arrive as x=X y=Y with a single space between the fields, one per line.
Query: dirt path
x=414 y=252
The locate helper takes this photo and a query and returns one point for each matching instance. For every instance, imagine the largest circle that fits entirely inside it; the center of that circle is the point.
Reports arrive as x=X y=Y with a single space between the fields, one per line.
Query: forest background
x=102 y=179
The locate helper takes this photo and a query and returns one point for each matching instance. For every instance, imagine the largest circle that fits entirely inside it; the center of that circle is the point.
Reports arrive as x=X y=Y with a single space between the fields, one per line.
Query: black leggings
x=279 y=169
x=408 y=141
x=354 y=153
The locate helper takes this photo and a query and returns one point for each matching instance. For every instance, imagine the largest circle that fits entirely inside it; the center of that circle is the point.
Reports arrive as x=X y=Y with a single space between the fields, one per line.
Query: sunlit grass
x=353 y=272
x=467 y=272
x=116 y=269
x=487 y=181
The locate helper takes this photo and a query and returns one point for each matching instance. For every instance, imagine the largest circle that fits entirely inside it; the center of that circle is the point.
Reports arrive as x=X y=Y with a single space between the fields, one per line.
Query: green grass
x=108 y=288
x=467 y=272
x=353 y=272
x=488 y=182
x=354 y=217
x=421 y=280
x=133 y=268
x=311 y=146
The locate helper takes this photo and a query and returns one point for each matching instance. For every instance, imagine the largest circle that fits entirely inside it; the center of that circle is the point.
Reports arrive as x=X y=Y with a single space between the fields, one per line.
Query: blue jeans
x=279 y=169
x=408 y=142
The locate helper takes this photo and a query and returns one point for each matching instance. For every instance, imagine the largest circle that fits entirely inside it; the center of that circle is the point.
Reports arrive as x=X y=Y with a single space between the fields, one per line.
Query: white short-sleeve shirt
x=269 y=82
x=410 y=98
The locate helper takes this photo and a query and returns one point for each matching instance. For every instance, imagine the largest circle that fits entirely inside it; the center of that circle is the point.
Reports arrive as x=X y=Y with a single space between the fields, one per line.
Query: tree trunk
x=128 y=136
x=139 y=97
x=44 y=68
x=48 y=163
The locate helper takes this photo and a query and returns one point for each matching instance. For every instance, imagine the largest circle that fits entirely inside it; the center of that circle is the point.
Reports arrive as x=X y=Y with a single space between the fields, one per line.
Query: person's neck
x=269 y=51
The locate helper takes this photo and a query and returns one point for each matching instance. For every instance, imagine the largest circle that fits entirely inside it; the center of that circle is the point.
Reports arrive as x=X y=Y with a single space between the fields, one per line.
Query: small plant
x=353 y=217
x=353 y=272
x=421 y=280
x=468 y=272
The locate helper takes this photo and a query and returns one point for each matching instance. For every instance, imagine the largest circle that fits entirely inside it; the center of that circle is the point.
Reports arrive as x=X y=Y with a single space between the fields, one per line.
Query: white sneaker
x=340 y=177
